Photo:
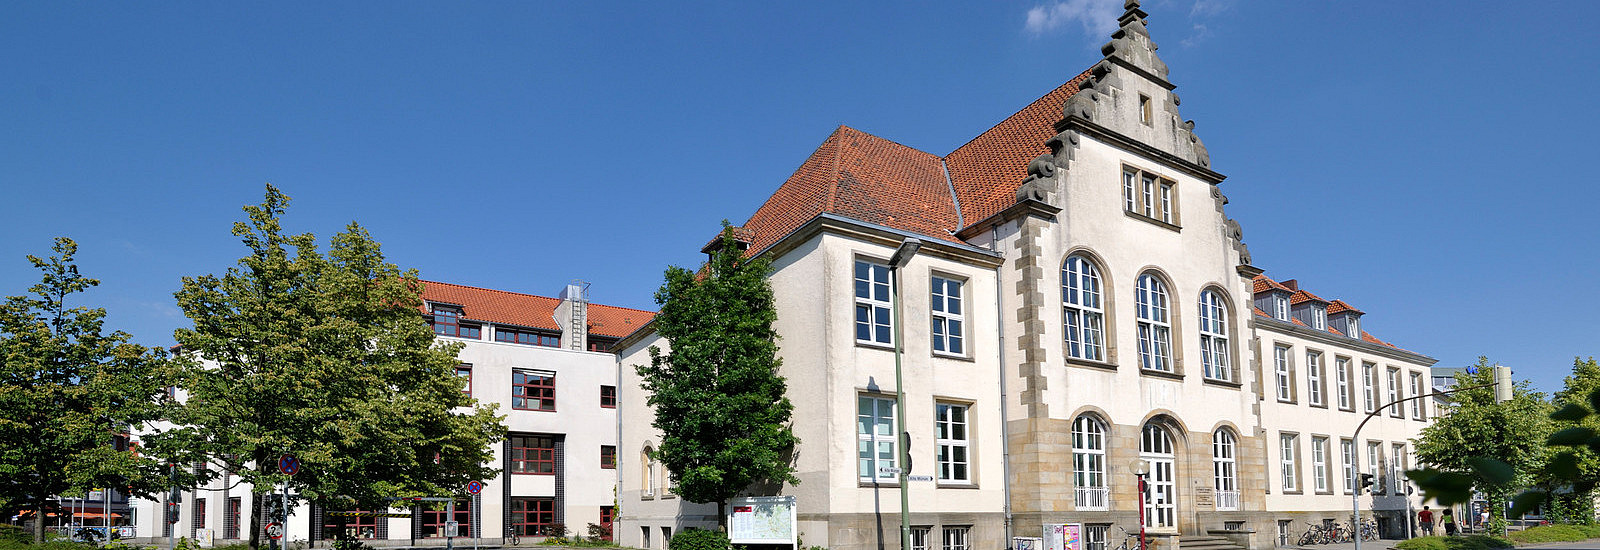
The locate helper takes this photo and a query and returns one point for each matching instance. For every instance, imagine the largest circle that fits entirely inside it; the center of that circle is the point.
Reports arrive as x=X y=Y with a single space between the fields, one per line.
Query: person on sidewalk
x=1425 y=517
x=1449 y=522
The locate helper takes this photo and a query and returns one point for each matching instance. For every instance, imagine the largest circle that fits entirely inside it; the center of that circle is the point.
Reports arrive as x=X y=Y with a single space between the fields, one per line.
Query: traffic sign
x=288 y=464
x=919 y=478
x=474 y=487
x=275 y=530
x=886 y=471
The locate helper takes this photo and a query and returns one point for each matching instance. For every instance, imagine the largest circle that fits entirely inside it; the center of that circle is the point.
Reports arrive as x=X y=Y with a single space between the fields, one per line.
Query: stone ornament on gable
x=1042 y=171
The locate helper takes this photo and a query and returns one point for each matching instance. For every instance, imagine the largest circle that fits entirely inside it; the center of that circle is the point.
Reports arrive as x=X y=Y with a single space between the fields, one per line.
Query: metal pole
x=106 y=509
x=450 y=516
x=472 y=520
x=902 y=255
x=1144 y=494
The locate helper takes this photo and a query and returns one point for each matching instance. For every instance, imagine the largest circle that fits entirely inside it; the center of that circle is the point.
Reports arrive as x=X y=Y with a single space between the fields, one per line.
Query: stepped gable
x=987 y=170
x=863 y=177
x=527 y=310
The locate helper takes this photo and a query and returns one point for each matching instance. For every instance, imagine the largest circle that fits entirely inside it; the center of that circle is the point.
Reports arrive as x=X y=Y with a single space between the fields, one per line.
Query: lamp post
x=902 y=256
x=1141 y=468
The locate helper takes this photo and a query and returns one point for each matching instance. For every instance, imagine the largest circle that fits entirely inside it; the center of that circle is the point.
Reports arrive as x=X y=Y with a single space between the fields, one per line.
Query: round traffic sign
x=288 y=464
x=474 y=487
x=275 y=530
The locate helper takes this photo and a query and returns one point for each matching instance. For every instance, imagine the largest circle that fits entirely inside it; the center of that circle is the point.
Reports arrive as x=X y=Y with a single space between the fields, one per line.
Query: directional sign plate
x=288 y=464
x=919 y=478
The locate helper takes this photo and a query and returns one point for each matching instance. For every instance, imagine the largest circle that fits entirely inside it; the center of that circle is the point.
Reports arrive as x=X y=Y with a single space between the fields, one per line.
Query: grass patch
x=1473 y=542
x=1550 y=533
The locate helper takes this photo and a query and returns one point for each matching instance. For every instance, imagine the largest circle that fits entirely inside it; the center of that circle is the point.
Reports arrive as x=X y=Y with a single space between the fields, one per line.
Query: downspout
x=1005 y=433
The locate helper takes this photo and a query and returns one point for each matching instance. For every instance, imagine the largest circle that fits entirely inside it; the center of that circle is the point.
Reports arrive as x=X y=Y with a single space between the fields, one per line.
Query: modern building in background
x=1080 y=302
x=546 y=363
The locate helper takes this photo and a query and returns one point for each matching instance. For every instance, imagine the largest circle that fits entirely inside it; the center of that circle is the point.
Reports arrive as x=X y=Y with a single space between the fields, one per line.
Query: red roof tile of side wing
x=1263 y=283
x=527 y=310
x=1300 y=296
x=1338 y=306
x=863 y=177
x=987 y=170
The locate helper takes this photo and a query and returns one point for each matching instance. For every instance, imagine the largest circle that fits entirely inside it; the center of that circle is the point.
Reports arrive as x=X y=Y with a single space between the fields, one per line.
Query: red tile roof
x=1303 y=296
x=527 y=310
x=987 y=170
x=1264 y=283
x=1338 y=306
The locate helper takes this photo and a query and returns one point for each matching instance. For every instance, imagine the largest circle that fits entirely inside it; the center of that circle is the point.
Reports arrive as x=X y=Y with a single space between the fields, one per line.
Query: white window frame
x=1347 y=451
x=1154 y=323
x=1397 y=468
x=1166 y=201
x=649 y=473
x=919 y=537
x=1089 y=463
x=1355 y=327
x=1418 y=412
x=1375 y=463
x=872 y=296
x=953 y=437
x=1342 y=368
x=1319 y=317
x=1214 y=351
x=1224 y=469
x=1149 y=195
x=1319 y=463
x=1129 y=202
x=1082 y=309
x=1314 y=378
x=1288 y=448
x=1396 y=392
x=1284 y=373
x=1369 y=381
x=881 y=418
x=956 y=538
x=1280 y=306
x=949 y=319
x=1147 y=185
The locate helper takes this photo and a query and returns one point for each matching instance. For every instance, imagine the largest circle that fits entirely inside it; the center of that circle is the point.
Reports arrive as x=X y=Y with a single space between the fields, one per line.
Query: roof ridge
x=1078 y=78
x=833 y=170
x=887 y=140
x=514 y=293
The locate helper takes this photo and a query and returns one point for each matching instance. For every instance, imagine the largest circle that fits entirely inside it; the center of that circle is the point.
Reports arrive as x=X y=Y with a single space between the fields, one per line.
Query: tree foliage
x=325 y=357
x=718 y=397
x=67 y=389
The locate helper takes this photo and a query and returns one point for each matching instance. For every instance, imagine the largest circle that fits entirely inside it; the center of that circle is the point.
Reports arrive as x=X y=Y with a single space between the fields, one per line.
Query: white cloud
x=1098 y=17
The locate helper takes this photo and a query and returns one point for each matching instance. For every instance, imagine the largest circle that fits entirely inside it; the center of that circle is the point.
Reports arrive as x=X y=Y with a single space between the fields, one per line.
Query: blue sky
x=1429 y=164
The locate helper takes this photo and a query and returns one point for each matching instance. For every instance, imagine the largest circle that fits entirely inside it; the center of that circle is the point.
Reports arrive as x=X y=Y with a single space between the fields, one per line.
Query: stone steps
x=1203 y=542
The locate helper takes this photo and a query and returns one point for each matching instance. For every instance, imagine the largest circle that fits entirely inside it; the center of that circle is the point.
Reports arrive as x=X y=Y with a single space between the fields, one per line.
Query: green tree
x=327 y=358
x=1574 y=470
x=1496 y=448
x=718 y=397
x=67 y=390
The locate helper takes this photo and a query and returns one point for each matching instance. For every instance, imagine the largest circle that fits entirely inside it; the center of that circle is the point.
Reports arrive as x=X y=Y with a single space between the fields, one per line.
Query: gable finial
x=1131 y=13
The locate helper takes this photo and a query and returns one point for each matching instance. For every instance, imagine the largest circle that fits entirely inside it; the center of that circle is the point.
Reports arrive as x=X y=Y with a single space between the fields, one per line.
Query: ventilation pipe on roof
x=572 y=315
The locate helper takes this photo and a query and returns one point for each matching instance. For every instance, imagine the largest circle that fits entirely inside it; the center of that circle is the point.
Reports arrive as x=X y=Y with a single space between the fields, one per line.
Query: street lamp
x=1141 y=468
x=902 y=256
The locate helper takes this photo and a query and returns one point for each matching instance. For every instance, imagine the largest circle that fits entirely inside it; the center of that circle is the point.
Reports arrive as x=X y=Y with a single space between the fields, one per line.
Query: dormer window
x=447 y=322
x=1355 y=327
x=1280 y=306
x=1319 y=318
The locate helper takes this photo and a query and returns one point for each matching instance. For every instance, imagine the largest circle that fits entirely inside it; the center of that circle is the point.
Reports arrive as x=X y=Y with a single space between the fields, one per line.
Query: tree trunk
x=255 y=520
x=722 y=516
x=38 y=522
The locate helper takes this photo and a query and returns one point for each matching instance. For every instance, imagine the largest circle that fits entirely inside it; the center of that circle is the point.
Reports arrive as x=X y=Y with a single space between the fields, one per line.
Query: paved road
x=1388 y=544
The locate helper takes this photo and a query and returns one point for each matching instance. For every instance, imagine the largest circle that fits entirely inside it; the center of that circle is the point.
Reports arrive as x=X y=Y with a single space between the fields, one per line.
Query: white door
x=1160 y=506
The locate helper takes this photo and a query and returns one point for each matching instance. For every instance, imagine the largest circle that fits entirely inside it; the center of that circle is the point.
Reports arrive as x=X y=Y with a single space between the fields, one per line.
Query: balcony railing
x=1091 y=498
x=1227 y=500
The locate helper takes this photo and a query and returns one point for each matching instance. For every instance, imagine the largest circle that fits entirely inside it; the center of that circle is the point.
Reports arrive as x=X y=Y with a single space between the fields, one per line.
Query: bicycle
x=1130 y=541
x=1315 y=534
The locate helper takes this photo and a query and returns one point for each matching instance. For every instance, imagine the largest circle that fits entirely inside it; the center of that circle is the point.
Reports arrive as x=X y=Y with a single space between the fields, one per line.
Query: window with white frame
x=1347 y=452
x=955 y=538
x=1397 y=468
x=1155 y=327
x=1395 y=393
x=1417 y=411
x=952 y=438
x=1287 y=448
x=948 y=319
x=1314 y=377
x=919 y=538
x=1129 y=203
x=1094 y=536
x=1082 y=312
x=1319 y=464
x=1280 y=367
x=647 y=473
x=1280 y=306
x=1214 y=336
x=1166 y=201
x=1369 y=381
x=1089 y=463
x=873 y=313
x=1149 y=195
x=1342 y=371
x=1355 y=327
x=875 y=438
x=1375 y=465
x=1319 y=317
x=1224 y=469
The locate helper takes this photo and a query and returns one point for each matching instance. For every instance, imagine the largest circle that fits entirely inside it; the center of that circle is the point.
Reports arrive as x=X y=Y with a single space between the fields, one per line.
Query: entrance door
x=1160 y=506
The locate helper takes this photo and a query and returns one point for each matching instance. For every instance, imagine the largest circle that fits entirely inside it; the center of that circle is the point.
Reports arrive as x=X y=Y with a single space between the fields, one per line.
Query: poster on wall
x=1063 y=536
x=1027 y=543
x=762 y=520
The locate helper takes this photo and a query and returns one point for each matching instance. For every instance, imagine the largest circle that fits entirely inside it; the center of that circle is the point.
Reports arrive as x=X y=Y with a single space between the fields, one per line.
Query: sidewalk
x=1380 y=544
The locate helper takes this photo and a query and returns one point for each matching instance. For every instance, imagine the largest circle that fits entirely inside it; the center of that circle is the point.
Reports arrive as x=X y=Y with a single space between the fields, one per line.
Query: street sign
x=474 y=487
x=452 y=528
x=288 y=464
x=275 y=530
x=886 y=471
x=919 y=478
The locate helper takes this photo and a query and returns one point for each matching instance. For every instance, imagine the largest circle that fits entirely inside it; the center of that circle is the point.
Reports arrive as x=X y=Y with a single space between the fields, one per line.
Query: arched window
x=1089 y=462
x=647 y=480
x=1224 y=470
x=1161 y=497
x=1214 y=336
x=1082 y=313
x=1155 y=325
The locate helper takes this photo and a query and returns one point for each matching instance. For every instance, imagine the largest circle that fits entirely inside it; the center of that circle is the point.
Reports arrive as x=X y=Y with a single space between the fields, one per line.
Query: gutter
x=1005 y=432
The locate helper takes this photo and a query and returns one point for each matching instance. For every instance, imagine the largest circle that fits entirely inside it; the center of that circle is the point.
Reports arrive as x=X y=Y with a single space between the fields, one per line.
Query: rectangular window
x=950 y=427
x=1287 y=450
x=1147 y=184
x=1319 y=317
x=1314 y=378
x=1396 y=411
x=608 y=397
x=919 y=537
x=1280 y=303
x=875 y=437
x=361 y=524
x=1094 y=537
x=1397 y=469
x=1375 y=465
x=464 y=372
x=199 y=519
x=434 y=521
x=527 y=337
x=1280 y=355
x=533 y=454
x=1129 y=203
x=872 y=303
x=948 y=319
x=1149 y=195
x=533 y=390
x=1418 y=411
x=231 y=518
x=1146 y=113
x=447 y=322
x=1319 y=464
x=1347 y=452
x=531 y=517
x=1369 y=381
x=608 y=457
x=1342 y=370
x=1166 y=202
x=608 y=519
x=955 y=538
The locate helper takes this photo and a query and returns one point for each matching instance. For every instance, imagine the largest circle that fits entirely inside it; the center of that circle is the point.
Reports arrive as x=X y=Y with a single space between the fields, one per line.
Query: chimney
x=572 y=315
x=1293 y=284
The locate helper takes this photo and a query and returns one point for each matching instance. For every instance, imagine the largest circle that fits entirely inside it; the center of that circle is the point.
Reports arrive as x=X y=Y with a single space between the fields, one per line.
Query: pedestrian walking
x=1425 y=517
x=1449 y=522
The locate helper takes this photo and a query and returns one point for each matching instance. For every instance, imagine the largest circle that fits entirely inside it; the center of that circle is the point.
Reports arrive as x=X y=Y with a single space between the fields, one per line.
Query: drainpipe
x=1005 y=433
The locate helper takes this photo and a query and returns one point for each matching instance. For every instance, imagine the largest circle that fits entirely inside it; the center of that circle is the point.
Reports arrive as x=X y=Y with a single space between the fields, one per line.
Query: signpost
x=473 y=488
x=289 y=466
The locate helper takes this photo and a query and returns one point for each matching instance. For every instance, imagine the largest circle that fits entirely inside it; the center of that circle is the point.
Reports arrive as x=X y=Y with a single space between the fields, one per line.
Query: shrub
x=1589 y=531
x=699 y=539
x=1474 y=542
x=13 y=533
x=1549 y=533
